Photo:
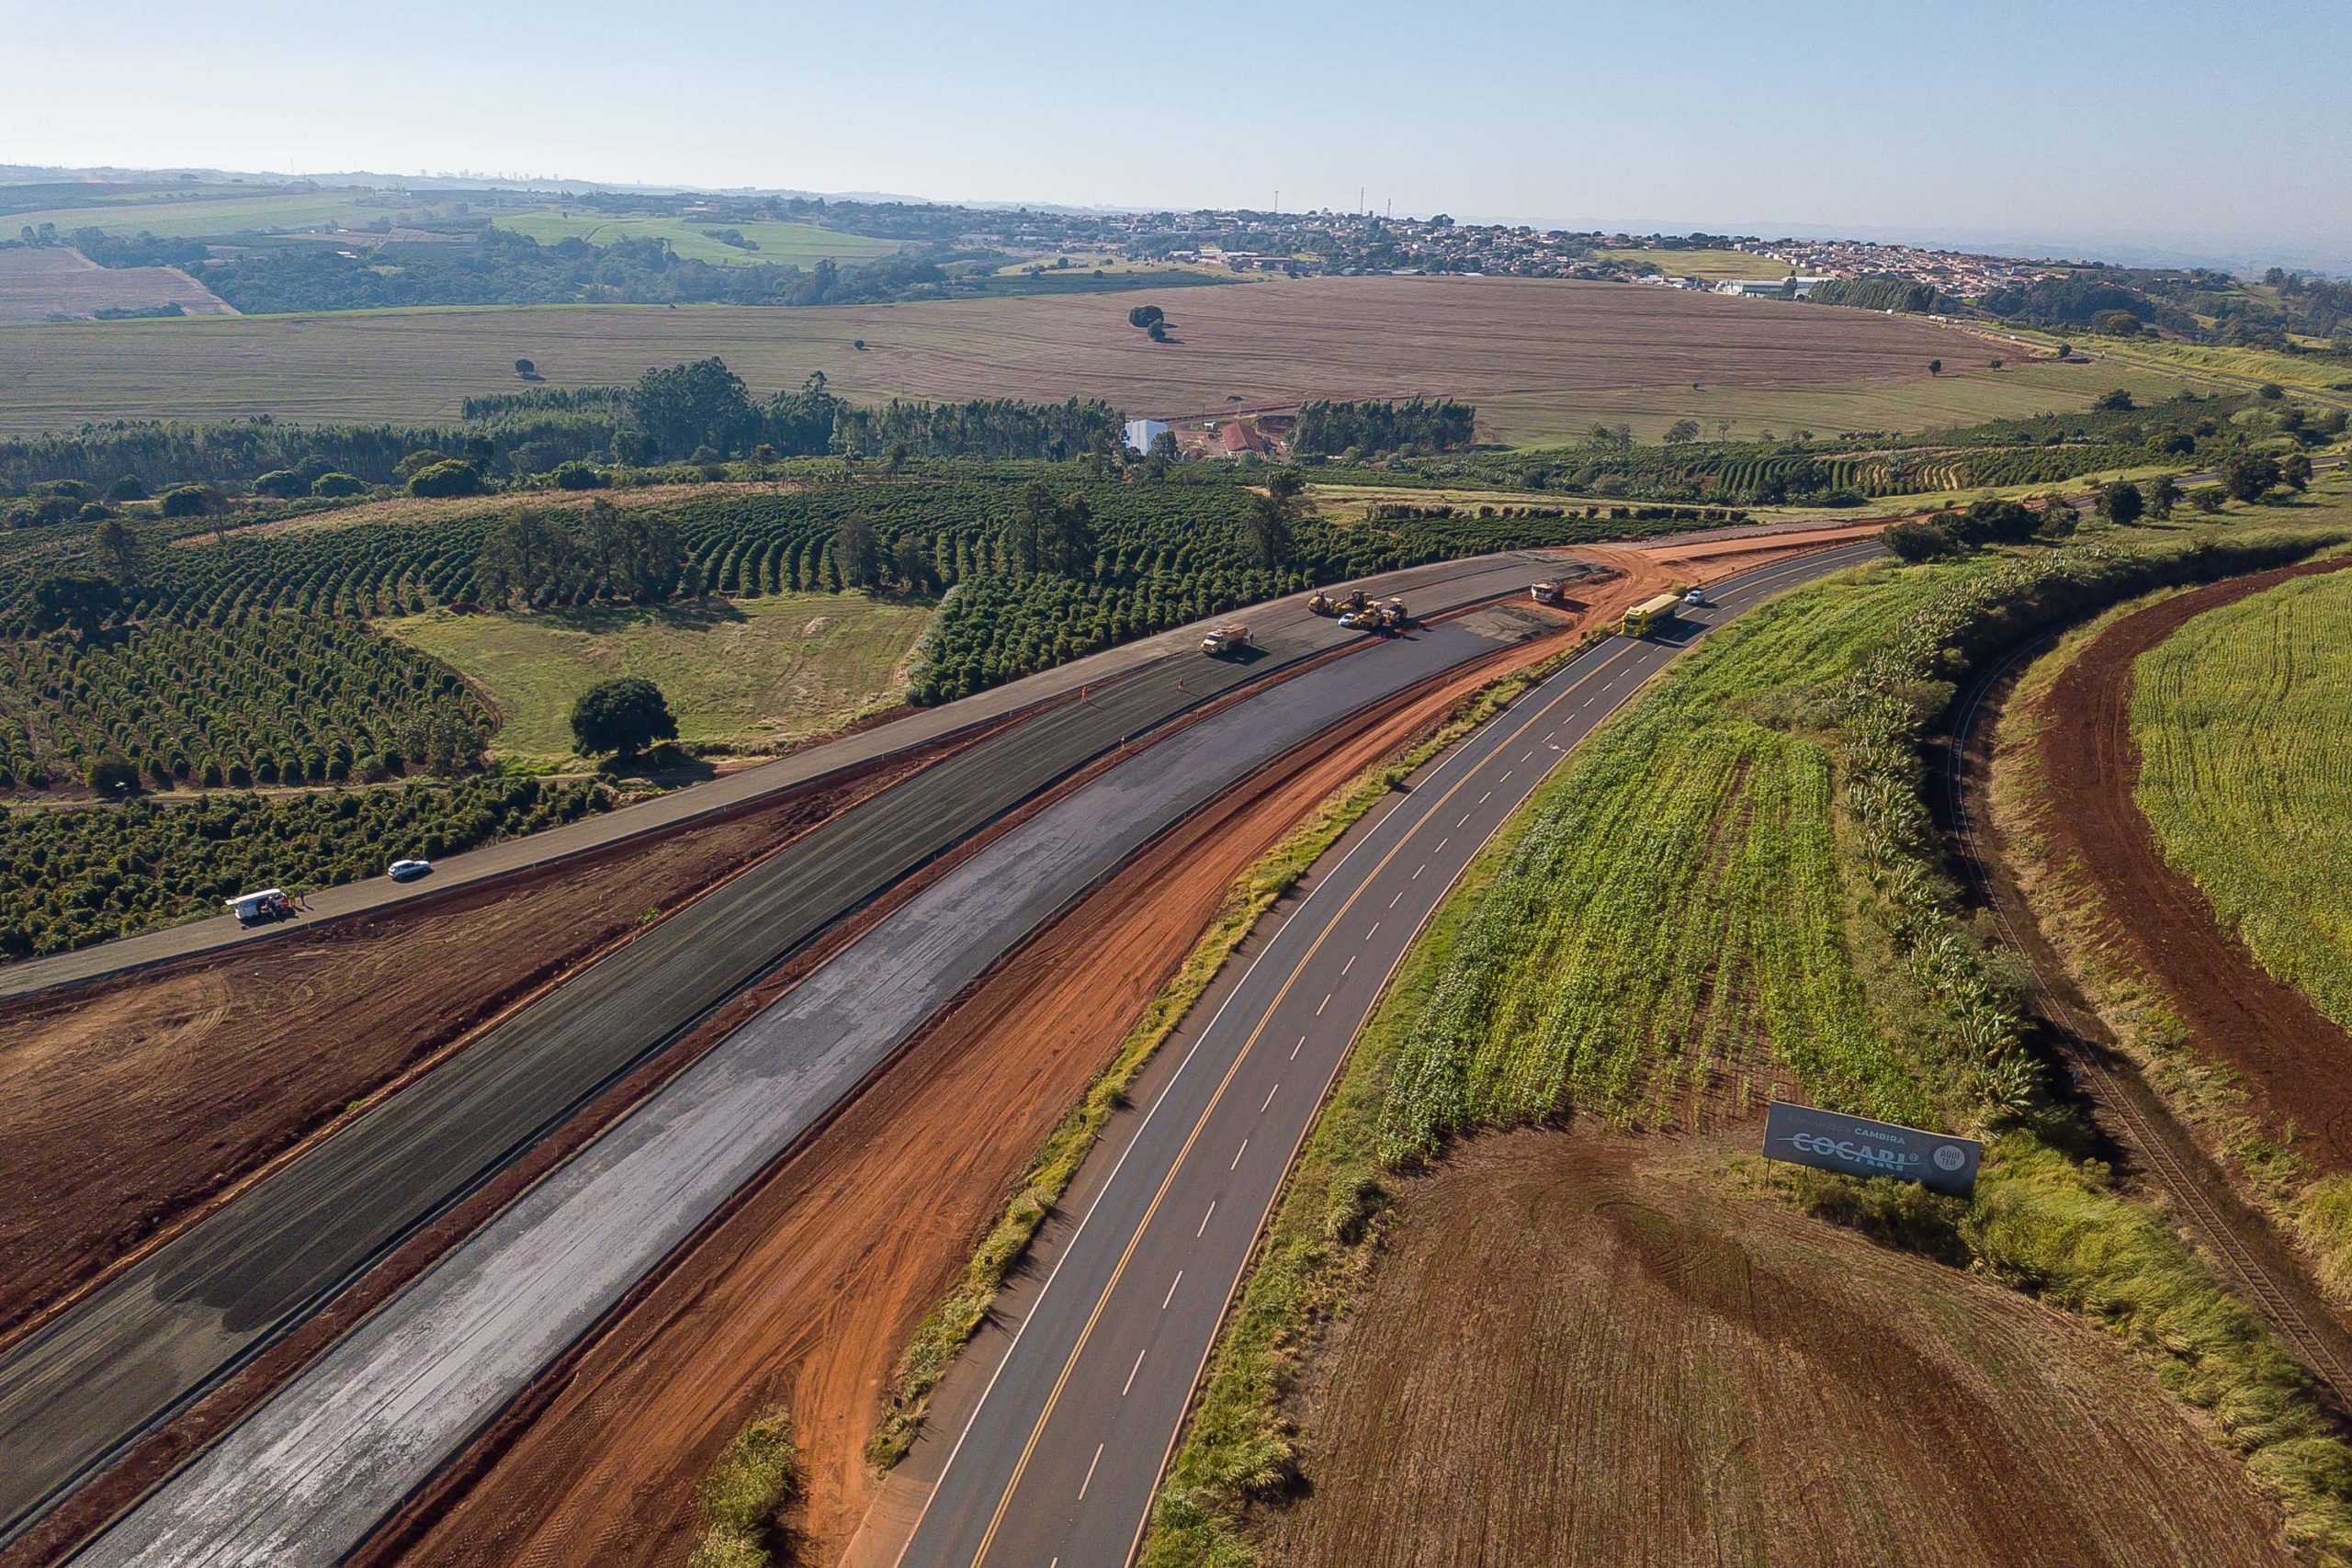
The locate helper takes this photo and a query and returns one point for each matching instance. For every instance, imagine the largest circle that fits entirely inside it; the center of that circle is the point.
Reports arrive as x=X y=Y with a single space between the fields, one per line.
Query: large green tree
x=702 y=403
x=621 y=716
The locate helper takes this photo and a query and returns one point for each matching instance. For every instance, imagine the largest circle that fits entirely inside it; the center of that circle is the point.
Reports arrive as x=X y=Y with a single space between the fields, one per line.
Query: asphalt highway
x=1284 y=622
x=338 y=1446
x=1056 y=1467
x=111 y=1366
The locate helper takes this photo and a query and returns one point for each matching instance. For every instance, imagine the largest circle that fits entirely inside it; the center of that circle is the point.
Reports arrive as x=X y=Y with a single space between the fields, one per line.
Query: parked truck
x=1231 y=638
x=1550 y=590
x=1646 y=616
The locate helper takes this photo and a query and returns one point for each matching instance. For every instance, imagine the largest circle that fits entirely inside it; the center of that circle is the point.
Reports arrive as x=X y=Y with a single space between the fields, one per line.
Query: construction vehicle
x=1229 y=638
x=1392 y=614
x=1550 y=590
x=1322 y=604
x=1644 y=617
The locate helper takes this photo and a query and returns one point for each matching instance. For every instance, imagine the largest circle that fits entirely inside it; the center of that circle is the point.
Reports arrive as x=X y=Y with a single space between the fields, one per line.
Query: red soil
x=1583 y=1348
x=2295 y=1062
x=806 y=1289
x=128 y=1108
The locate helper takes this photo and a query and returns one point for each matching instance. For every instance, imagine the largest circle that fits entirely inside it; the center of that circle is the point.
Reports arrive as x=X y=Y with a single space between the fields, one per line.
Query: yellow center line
x=1053 y=1398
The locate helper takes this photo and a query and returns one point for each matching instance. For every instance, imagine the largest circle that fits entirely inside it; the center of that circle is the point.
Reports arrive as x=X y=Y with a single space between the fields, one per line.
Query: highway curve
x=679 y=807
x=340 y=1443
x=1057 y=1464
x=76 y=1392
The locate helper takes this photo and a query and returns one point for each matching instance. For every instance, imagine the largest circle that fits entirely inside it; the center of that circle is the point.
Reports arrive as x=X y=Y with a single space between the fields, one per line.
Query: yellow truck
x=1231 y=638
x=1645 y=618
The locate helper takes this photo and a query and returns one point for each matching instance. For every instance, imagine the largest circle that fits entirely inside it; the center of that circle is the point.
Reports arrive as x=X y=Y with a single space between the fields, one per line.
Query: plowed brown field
x=1613 y=1361
x=2293 y=1060
x=804 y=1293
x=1538 y=357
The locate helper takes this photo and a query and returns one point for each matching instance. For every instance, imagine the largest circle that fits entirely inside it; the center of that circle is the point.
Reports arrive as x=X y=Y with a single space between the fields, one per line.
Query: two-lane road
x=1056 y=1466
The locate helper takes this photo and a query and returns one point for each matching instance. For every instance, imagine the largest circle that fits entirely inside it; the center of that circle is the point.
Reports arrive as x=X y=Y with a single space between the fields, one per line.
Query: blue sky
x=2222 y=128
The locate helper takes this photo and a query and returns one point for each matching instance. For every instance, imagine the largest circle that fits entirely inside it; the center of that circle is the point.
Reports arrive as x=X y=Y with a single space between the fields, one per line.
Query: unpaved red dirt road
x=1580 y=1347
x=2294 y=1061
x=804 y=1293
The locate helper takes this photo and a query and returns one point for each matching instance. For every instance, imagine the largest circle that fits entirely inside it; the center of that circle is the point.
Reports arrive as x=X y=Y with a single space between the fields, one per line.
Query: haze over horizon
x=2053 y=124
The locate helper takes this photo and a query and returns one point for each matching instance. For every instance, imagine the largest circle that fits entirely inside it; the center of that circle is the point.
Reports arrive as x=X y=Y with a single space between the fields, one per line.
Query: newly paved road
x=1056 y=1466
x=338 y=1446
x=1439 y=584
x=104 y=1371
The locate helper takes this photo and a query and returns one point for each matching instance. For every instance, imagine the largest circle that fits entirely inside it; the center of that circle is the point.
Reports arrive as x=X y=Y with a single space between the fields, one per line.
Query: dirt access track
x=2294 y=1061
x=805 y=1289
x=1561 y=1356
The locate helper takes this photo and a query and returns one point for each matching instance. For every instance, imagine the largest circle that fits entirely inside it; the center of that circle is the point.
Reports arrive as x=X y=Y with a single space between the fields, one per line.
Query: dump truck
x=1644 y=617
x=1550 y=590
x=1231 y=638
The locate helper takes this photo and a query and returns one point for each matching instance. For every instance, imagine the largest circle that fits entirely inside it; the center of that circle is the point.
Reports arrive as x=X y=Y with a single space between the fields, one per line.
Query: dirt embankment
x=1615 y=1360
x=125 y=1109
x=2294 y=1061
x=805 y=1290
x=808 y=1290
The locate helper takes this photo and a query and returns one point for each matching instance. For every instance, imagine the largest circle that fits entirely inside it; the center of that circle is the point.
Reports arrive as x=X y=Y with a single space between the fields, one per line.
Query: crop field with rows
x=1164 y=553
x=1659 y=938
x=275 y=699
x=70 y=878
x=2240 y=717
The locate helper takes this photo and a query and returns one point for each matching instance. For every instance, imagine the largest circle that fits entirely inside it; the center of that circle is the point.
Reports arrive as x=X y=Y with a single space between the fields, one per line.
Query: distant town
x=1303 y=245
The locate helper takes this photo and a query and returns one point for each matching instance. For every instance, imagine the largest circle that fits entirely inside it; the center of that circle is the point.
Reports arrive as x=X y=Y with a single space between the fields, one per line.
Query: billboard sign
x=1855 y=1146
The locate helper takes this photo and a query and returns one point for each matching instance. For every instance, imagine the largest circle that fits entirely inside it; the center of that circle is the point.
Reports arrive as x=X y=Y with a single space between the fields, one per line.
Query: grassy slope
x=1523 y=987
x=2240 y=719
x=797 y=245
x=1661 y=930
x=748 y=675
x=2238 y=367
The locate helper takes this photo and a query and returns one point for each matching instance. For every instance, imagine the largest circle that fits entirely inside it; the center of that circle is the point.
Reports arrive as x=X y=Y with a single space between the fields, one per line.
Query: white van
x=260 y=908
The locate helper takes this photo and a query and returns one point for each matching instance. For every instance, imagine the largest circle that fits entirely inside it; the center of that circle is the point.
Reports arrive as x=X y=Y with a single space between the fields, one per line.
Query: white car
x=409 y=870
x=1697 y=597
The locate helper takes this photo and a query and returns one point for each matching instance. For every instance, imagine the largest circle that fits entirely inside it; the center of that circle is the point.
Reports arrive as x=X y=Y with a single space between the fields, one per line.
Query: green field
x=1659 y=931
x=2240 y=717
x=1712 y=265
x=751 y=675
x=213 y=211
x=2327 y=377
x=786 y=244
x=1734 y=890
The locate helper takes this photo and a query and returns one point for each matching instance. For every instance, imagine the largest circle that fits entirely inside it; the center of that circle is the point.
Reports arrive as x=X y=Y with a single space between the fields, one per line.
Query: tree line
x=673 y=414
x=1417 y=424
x=501 y=267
